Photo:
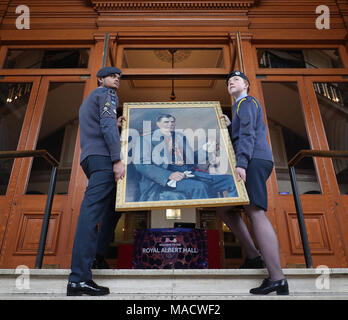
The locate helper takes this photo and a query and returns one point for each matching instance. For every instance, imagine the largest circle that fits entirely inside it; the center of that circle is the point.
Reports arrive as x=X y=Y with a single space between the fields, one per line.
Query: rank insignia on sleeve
x=105 y=110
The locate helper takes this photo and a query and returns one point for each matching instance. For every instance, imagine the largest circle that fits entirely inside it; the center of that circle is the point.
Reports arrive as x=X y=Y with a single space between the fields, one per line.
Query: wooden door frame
x=77 y=179
x=7 y=200
x=312 y=122
x=339 y=202
x=60 y=208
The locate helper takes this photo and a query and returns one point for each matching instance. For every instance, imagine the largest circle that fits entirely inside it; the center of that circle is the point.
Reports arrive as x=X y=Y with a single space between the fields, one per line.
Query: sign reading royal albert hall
x=177 y=248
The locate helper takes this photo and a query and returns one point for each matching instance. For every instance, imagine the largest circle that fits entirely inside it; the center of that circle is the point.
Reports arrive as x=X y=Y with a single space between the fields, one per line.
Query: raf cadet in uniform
x=101 y=162
x=254 y=165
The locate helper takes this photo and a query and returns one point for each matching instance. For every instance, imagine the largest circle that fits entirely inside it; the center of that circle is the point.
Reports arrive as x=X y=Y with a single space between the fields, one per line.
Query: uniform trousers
x=98 y=206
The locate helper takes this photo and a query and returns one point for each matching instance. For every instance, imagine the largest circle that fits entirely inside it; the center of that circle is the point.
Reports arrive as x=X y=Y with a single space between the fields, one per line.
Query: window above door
x=291 y=58
x=46 y=58
x=301 y=59
x=173 y=58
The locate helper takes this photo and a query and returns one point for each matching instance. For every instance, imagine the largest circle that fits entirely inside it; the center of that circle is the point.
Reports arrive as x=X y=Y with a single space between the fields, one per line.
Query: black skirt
x=257 y=174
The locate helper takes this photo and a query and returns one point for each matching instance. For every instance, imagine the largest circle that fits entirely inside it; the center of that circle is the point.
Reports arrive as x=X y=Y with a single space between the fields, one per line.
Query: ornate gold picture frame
x=177 y=154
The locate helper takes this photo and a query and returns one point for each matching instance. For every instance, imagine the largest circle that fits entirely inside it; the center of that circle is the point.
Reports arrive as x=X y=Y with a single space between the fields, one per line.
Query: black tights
x=264 y=233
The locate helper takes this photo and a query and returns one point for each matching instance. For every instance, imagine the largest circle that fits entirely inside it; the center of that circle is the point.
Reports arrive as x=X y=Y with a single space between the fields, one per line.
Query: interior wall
x=158 y=218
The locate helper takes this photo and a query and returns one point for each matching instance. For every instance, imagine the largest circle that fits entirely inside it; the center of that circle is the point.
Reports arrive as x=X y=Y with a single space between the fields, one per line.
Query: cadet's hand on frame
x=119 y=170
x=241 y=174
x=120 y=120
x=177 y=176
x=228 y=121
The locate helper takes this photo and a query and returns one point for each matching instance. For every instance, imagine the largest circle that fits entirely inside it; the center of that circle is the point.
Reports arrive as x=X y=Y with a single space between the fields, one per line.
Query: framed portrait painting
x=177 y=154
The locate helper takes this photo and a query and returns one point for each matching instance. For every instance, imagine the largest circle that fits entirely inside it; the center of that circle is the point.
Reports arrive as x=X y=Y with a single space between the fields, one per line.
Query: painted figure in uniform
x=254 y=165
x=168 y=170
x=101 y=162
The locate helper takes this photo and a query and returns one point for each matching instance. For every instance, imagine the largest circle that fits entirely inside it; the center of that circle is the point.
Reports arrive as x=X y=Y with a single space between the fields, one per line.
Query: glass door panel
x=14 y=100
x=332 y=98
x=288 y=136
x=57 y=135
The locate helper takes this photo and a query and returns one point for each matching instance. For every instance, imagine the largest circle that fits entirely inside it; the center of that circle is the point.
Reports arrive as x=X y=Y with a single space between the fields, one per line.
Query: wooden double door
x=38 y=112
x=309 y=112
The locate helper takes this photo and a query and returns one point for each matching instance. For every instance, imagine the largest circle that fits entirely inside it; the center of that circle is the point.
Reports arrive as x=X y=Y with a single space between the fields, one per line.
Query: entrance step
x=222 y=284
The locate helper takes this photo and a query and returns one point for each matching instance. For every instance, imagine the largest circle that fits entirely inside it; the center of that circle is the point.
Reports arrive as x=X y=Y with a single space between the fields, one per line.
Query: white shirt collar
x=241 y=97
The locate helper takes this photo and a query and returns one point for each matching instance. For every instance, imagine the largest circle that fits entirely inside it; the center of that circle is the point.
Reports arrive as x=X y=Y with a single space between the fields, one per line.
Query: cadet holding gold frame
x=254 y=166
x=177 y=154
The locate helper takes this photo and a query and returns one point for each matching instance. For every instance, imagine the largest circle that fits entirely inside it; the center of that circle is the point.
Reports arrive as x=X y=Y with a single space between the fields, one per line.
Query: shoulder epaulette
x=244 y=99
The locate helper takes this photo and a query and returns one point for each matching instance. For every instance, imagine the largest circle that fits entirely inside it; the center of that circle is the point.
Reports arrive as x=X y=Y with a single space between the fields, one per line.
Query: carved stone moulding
x=134 y=5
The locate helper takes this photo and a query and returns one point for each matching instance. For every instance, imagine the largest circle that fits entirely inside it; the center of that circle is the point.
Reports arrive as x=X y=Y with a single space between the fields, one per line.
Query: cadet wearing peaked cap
x=106 y=71
x=101 y=162
x=238 y=74
x=248 y=133
x=254 y=165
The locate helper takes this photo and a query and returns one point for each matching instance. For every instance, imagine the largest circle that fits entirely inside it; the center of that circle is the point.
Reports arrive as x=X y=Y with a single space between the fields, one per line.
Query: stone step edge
x=179 y=272
x=177 y=297
x=300 y=281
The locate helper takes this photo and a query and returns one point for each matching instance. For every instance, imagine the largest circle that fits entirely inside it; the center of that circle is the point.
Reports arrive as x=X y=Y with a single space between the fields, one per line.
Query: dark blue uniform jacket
x=248 y=132
x=99 y=133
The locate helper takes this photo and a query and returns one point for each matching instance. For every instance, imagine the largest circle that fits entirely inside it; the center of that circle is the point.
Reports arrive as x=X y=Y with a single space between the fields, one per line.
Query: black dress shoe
x=89 y=288
x=268 y=286
x=100 y=263
x=255 y=263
